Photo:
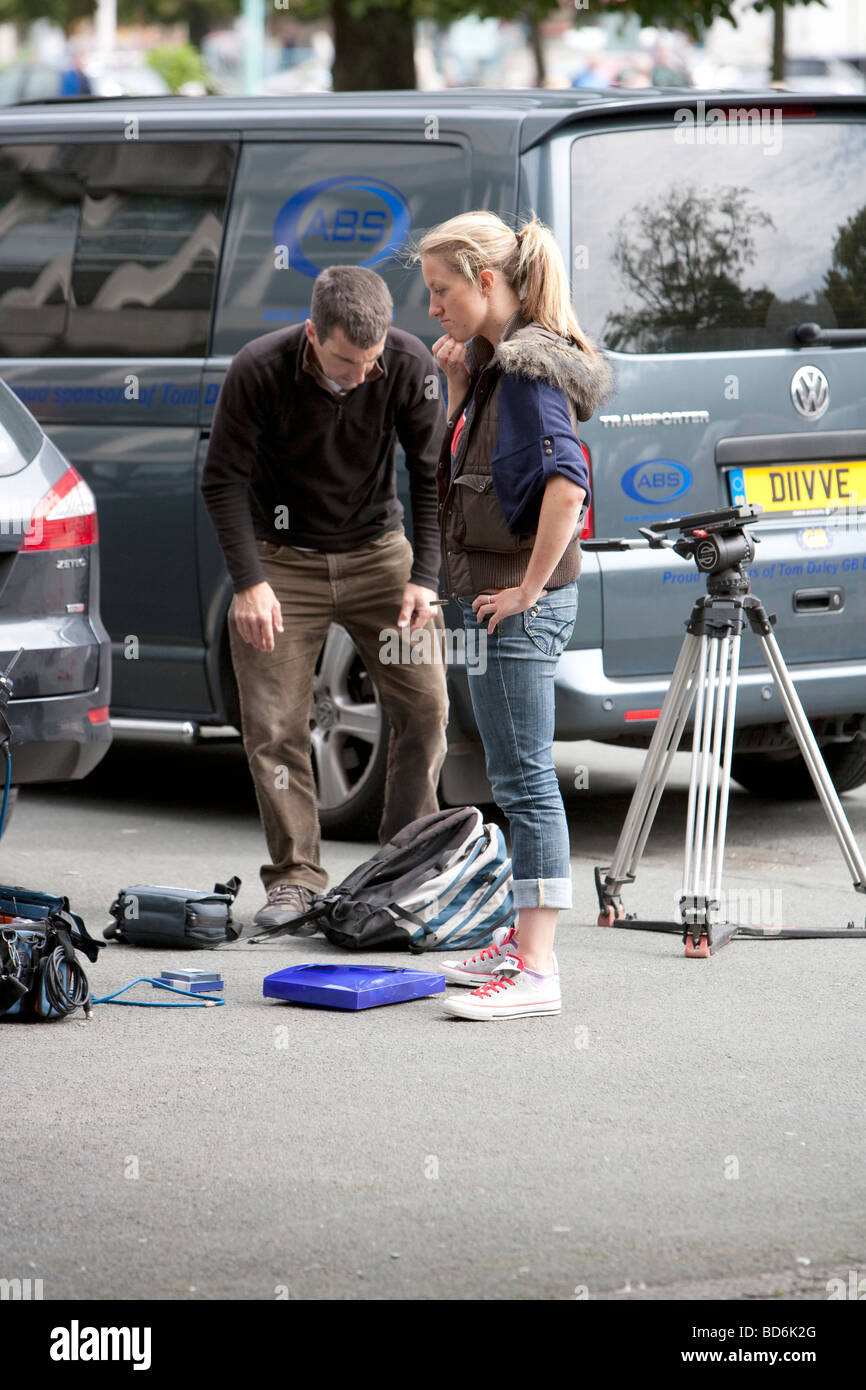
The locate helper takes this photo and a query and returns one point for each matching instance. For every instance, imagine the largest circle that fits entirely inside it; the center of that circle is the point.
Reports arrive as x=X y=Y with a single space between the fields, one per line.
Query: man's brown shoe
x=286 y=902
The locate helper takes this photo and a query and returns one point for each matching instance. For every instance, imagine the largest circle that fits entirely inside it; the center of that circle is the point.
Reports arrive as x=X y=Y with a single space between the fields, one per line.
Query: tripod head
x=717 y=541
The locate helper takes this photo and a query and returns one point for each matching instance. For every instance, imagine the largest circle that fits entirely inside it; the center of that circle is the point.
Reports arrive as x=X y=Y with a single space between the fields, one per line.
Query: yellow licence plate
x=801 y=487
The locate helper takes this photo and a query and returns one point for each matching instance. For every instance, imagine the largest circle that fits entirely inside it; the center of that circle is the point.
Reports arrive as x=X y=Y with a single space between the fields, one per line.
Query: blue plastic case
x=351 y=986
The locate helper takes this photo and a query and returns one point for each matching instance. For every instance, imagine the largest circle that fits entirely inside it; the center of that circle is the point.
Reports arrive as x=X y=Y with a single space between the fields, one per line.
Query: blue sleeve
x=536 y=441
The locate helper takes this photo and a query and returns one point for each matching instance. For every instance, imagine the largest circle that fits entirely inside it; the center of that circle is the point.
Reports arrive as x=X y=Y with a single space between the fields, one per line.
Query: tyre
x=349 y=734
x=785 y=777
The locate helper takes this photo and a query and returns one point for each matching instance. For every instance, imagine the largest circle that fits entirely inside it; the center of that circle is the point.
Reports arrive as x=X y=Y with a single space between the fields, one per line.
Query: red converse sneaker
x=509 y=993
x=477 y=969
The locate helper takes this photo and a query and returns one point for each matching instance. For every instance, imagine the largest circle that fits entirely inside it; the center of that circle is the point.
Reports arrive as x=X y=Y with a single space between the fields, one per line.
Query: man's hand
x=415 y=609
x=257 y=615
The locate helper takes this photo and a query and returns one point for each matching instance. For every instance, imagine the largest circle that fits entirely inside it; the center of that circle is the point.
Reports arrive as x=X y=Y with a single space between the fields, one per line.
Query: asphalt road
x=685 y=1129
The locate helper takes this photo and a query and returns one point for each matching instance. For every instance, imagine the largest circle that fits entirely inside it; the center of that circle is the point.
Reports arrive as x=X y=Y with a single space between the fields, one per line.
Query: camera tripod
x=706 y=675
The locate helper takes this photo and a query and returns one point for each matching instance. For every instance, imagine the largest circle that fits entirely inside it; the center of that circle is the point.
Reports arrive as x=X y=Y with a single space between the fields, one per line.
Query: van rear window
x=683 y=244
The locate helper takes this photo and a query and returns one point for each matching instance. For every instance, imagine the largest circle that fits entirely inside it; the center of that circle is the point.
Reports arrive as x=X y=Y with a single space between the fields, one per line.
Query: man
x=301 y=488
x=74 y=81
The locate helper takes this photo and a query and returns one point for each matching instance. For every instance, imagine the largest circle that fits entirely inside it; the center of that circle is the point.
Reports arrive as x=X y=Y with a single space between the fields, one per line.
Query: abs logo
x=656 y=481
x=342 y=221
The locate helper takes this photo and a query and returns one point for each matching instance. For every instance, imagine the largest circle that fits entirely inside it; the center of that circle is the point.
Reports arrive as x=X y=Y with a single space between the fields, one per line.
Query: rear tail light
x=588 y=521
x=65 y=517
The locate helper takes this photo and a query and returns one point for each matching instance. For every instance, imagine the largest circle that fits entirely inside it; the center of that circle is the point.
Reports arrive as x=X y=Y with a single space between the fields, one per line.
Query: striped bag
x=443 y=883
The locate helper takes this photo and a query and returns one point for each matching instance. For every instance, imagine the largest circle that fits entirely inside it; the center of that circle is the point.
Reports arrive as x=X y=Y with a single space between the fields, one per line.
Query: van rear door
x=704 y=239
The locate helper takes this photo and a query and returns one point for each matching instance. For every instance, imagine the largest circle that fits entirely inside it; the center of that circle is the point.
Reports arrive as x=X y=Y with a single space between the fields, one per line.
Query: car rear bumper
x=591 y=705
x=54 y=738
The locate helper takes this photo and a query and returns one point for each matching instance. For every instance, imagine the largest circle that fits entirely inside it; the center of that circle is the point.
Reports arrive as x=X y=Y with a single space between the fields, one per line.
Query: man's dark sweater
x=292 y=462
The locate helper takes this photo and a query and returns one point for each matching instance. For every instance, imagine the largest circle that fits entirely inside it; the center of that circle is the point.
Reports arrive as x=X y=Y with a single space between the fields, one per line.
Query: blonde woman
x=513 y=488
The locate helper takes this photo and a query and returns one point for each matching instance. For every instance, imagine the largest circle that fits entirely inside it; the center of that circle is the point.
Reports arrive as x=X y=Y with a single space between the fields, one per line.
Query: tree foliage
x=682 y=260
x=374 y=37
x=845 y=281
x=60 y=12
x=693 y=17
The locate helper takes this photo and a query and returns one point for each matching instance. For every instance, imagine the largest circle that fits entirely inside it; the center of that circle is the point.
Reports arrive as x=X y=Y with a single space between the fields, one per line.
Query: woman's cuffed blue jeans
x=511 y=675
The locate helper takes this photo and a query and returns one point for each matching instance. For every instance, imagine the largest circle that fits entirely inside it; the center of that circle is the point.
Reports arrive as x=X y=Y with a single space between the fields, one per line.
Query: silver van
x=717 y=247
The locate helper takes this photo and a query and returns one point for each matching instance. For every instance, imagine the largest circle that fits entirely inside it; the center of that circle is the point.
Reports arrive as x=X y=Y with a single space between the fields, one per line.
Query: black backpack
x=443 y=883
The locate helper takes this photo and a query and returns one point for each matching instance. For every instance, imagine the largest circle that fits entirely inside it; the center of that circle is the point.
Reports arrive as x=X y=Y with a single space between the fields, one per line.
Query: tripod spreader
x=729 y=616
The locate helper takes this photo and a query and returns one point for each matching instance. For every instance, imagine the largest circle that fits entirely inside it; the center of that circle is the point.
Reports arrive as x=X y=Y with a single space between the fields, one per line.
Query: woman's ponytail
x=542 y=283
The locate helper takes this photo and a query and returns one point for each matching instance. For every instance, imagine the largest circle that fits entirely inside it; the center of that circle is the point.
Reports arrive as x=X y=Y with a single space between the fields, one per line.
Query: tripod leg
x=725 y=792
x=704 y=767
x=702 y=935
x=711 y=848
x=703 y=789
x=673 y=744
x=650 y=784
x=814 y=761
x=697 y=734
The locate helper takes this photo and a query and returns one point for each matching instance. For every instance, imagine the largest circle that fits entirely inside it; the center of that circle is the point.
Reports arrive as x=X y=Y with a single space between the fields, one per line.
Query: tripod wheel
x=701 y=951
x=607 y=917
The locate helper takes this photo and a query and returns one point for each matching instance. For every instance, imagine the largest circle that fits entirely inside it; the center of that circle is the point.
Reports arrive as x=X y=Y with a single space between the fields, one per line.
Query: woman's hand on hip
x=503 y=604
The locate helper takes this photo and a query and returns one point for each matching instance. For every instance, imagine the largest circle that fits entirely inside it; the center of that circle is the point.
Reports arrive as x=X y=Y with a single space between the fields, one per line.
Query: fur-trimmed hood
x=527 y=349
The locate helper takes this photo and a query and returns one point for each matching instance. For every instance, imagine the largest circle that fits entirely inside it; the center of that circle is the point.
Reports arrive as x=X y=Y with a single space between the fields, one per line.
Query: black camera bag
x=40 y=976
x=178 y=918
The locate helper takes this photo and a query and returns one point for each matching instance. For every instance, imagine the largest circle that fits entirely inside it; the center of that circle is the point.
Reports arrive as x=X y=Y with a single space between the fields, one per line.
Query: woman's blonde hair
x=529 y=259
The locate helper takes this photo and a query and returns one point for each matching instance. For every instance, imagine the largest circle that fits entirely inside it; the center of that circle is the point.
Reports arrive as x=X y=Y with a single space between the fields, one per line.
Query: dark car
x=49 y=586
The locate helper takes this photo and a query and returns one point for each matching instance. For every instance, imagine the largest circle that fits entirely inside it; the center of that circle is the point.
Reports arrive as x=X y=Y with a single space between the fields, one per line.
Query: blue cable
x=195 y=1001
x=6 y=789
